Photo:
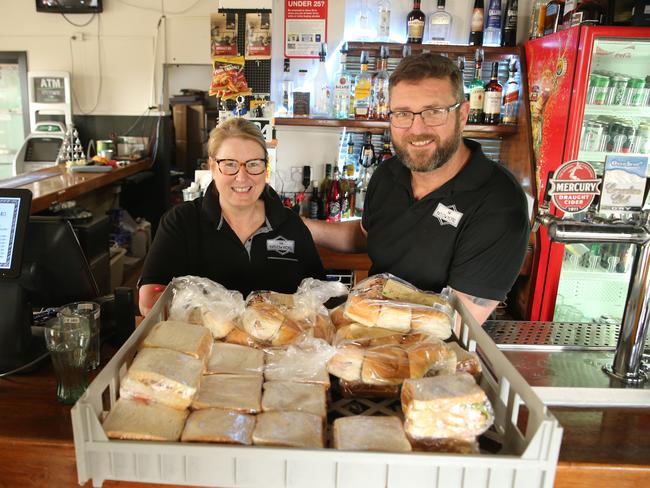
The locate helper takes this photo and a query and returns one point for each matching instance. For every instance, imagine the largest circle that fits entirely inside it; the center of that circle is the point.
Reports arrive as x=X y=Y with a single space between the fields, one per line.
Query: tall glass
x=73 y=313
x=68 y=345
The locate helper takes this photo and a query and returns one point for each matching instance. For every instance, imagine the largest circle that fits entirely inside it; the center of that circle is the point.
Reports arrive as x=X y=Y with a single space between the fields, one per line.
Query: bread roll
x=364 y=336
x=164 y=376
x=365 y=433
x=214 y=320
x=290 y=396
x=142 y=421
x=361 y=310
x=385 y=365
x=432 y=322
x=338 y=317
x=262 y=320
x=394 y=316
x=231 y=392
x=347 y=362
x=466 y=362
x=217 y=425
x=290 y=429
x=431 y=358
x=194 y=340
x=235 y=359
x=242 y=338
x=286 y=334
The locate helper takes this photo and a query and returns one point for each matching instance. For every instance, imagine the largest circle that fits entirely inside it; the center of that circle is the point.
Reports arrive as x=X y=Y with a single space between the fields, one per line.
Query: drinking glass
x=74 y=312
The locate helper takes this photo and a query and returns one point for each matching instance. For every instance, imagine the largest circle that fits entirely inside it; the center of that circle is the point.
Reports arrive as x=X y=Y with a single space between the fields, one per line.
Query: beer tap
x=627 y=364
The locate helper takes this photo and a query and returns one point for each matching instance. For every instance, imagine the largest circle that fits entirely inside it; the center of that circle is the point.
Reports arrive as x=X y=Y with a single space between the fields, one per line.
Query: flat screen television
x=69 y=6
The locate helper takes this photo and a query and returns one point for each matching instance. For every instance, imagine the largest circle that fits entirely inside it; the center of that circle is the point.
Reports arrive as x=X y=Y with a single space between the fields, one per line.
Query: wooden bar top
x=65 y=185
x=600 y=448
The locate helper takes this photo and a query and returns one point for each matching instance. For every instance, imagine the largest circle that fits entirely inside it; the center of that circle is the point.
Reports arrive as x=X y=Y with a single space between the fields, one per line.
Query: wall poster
x=223 y=34
x=258 y=36
x=305 y=27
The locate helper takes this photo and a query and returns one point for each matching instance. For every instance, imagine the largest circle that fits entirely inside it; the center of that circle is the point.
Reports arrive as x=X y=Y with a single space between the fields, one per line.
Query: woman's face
x=241 y=190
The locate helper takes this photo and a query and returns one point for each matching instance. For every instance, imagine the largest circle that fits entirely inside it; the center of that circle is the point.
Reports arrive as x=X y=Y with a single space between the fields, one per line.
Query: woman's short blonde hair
x=235 y=127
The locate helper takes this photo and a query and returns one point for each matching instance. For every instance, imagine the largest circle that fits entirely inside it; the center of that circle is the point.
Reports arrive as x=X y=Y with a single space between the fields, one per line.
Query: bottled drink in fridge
x=493 y=25
x=476 y=32
x=415 y=24
x=493 y=96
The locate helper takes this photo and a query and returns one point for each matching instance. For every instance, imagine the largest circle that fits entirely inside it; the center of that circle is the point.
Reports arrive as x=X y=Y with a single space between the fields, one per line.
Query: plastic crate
x=526 y=459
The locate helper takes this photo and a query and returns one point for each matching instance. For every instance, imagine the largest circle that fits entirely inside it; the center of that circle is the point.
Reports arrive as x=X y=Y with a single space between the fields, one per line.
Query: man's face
x=422 y=148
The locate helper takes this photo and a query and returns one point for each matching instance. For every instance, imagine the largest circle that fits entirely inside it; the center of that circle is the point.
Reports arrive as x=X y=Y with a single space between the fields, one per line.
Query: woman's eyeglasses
x=230 y=167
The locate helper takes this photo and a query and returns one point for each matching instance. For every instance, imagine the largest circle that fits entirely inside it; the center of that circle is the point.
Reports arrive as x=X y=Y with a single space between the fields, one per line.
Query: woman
x=239 y=234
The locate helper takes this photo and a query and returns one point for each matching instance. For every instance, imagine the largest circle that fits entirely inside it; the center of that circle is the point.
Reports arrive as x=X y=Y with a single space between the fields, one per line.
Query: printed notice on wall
x=258 y=36
x=305 y=27
x=223 y=34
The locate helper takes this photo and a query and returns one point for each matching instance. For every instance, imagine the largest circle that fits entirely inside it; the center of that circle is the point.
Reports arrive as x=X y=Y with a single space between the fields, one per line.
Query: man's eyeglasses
x=403 y=119
x=230 y=167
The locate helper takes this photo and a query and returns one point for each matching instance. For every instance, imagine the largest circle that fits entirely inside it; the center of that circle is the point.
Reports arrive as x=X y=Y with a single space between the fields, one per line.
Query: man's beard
x=441 y=155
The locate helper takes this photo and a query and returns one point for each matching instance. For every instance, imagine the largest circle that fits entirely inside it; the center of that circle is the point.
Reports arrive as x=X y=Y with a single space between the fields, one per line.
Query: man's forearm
x=346 y=237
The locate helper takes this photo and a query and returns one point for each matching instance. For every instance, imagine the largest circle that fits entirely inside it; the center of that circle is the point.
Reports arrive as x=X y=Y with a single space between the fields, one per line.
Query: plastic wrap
x=356 y=389
x=202 y=301
x=221 y=426
x=390 y=303
x=466 y=362
x=304 y=362
x=142 y=421
x=291 y=429
x=235 y=359
x=366 y=433
x=162 y=376
x=279 y=319
x=448 y=406
x=192 y=339
x=241 y=393
x=291 y=396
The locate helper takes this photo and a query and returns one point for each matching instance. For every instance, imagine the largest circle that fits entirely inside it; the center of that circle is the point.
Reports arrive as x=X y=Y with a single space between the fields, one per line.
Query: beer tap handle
x=542 y=210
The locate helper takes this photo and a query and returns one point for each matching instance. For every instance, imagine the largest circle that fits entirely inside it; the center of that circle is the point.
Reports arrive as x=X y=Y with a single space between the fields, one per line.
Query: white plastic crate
x=526 y=460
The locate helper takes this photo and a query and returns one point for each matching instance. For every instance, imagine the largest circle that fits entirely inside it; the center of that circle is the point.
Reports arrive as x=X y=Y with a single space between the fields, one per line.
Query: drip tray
x=563 y=362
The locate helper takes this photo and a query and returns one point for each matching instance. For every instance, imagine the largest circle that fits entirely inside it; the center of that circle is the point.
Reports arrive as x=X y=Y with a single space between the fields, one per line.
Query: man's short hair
x=427 y=65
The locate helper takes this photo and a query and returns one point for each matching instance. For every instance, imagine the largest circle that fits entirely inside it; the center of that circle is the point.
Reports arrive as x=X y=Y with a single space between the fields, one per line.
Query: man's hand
x=480 y=308
x=148 y=296
x=346 y=237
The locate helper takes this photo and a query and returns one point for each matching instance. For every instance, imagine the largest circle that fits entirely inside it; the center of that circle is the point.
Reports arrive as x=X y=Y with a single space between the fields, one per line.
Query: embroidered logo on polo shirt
x=280 y=245
x=447 y=215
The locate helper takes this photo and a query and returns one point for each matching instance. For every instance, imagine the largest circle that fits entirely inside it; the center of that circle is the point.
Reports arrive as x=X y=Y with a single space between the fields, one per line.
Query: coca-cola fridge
x=589 y=89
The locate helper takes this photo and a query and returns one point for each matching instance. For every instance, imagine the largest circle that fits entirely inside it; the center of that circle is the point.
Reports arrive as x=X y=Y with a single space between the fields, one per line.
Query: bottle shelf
x=378 y=126
x=622 y=110
x=395 y=49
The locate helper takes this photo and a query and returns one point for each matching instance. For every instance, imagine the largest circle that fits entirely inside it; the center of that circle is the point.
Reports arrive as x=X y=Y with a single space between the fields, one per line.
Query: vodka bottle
x=439 y=25
x=342 y=87
x=322 y=90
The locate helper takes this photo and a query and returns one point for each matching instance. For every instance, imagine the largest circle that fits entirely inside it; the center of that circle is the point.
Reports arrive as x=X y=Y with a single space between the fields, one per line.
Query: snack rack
x=527 y=457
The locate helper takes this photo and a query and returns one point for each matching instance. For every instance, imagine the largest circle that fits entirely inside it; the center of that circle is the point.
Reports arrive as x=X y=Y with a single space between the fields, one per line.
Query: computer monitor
x=53 y=272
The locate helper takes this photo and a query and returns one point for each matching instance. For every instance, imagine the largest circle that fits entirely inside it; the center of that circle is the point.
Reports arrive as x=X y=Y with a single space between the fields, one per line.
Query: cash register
x=41 y=148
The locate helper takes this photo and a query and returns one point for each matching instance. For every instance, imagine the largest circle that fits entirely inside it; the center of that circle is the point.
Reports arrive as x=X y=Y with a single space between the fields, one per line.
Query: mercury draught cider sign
x=574 y=186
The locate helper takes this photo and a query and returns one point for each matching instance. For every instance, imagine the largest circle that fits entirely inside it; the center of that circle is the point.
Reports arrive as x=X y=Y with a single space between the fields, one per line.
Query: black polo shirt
x=194 y=239
x=470 y=234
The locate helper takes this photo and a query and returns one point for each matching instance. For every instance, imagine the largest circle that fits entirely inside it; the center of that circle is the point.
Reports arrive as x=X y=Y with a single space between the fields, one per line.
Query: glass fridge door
x=595 y=277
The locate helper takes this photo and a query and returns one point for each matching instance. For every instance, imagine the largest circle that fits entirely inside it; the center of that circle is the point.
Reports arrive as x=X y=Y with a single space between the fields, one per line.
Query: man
x=439 y=213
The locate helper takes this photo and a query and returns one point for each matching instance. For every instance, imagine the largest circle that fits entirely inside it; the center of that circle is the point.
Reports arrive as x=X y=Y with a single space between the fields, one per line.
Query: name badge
x=447 y=215
x=280 y=245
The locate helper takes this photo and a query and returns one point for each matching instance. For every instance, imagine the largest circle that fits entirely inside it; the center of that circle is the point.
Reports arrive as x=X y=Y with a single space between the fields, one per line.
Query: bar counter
x=609 y=448
x=58 y=184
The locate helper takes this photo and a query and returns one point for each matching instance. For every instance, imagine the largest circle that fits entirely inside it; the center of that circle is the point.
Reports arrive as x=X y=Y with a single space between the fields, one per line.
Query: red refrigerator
x=589 y=89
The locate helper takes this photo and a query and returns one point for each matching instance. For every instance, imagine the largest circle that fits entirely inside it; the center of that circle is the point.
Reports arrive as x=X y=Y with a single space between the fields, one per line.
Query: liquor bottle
x=367 y=155
x=334 y=198
x=324 y=191
x=342 y=87
x=286 y=107
x=415 y=24
x=476 y=33
x=362 y=89
x=383 y=25
x=476 y=93
x=386 y=152
x=587 y=12
x=301 y=95
x=352 y=190
x=313 y=201
x=379 y=98
x=493 y=24
x=363 y=21
x=509 y=32
x=538 y=14
x=345 y=195
x=461 y=67
x=553 y=18
x=406 y=51
x=493 y=95
x=440 y=25
x=366 y=161
x=511 y=97
x=322 y=89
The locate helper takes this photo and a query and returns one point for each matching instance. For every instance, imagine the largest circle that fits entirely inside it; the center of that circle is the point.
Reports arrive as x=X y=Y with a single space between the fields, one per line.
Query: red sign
x=305 y=27
x=574 y=186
